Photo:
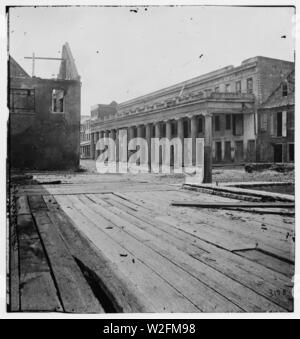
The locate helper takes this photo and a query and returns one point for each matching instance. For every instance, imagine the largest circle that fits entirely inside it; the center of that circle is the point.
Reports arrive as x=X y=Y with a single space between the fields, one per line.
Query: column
x=168 y=150
x=101 y=135
x=180 y=135
x=223 y=150
x=157 y=130
x=194 y=135
x=117 y=145
x=208 y=149
x=140 y=134
x=106 y=137
x=113 y=151
x=148 y=139
x=130 y=137
x=158 y=135
x=169 y=129
x=140 y=131
x=97 y=152
x=93 y=153
x=122 y=150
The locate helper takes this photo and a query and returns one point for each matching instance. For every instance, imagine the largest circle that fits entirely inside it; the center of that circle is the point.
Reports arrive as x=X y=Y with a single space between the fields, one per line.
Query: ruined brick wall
x=271 y=73
x=43 y=140
x=15 y=70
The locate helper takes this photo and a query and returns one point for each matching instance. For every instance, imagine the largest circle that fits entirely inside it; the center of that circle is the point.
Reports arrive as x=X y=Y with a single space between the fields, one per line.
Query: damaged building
x=44 y=117
x=223 y=107
x=276 y=132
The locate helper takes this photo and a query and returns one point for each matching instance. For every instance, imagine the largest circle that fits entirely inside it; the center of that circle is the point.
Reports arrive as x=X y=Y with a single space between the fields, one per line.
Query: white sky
x=121 y=54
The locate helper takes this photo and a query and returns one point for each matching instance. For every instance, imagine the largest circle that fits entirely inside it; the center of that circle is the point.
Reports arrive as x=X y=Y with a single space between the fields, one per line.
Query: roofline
x=247 y=63
x=14 y=60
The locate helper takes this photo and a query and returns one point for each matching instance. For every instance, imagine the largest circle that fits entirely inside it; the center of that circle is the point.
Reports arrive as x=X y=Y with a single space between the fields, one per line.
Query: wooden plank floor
x=149 y=256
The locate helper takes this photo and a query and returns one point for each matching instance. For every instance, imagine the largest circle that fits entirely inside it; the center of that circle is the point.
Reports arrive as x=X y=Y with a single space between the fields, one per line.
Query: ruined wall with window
x=44 y=122
x=276 y=124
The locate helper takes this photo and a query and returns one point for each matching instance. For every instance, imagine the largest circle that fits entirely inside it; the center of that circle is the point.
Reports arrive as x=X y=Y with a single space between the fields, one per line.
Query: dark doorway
x=239 y=151
x=237 y=124
x=278 y=153
x=218 y=151
x=228 y=151
x=291 y=152
x=251 y=151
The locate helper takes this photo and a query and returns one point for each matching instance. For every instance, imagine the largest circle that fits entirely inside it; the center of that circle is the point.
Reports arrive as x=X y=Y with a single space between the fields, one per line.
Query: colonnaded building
x=230 y=108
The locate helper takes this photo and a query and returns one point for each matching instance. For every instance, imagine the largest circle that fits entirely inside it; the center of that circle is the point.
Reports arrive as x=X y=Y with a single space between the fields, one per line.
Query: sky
x=125 y=52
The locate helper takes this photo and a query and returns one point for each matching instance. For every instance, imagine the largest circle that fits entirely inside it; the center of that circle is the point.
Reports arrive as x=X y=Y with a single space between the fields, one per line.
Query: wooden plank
x=274 y=221
x=14 y=281
x=120 y=292
x=278 y=227
x=22 y=206
x=257 y=277
x=249 y=192
x=279 y=247
x=275 y=226
x=277 y=223
x=256 y=225
x=195 y=203
x=37 y=289
x=215 y=236
x=231 y=289
x=91 y=188
x=75 y=293
x=146 y=222
x=259 y=213
x=202 y=295
x=266 y=211
x=270 y=262
x=158 y=295
x=36 y=203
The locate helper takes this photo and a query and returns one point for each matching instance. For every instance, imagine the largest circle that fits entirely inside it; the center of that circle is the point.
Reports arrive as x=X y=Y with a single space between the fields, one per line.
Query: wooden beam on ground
x=37 y=289
x=231 y=204
x=14 y=273
x=36 y=203
x=76 y=294
x=117 y=288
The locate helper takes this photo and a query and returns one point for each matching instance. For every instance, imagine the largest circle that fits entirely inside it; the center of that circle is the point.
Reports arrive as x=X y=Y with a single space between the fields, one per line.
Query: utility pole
x=33 y=58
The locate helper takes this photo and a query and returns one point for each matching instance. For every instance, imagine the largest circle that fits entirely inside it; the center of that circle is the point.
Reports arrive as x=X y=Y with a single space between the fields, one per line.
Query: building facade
x=102 y=112
x=85 y=137
x=276 y=134
x=44 y=117
x=221 y=107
